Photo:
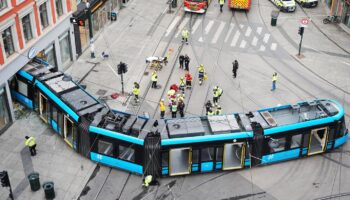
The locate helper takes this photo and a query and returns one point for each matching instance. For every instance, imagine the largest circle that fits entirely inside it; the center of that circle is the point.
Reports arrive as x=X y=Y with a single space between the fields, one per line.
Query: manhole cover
x=101 y=92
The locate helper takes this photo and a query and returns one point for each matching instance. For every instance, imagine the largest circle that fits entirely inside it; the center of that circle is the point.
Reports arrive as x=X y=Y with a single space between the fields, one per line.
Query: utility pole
x=5 y=182
x=122 y=68
x=91 y=34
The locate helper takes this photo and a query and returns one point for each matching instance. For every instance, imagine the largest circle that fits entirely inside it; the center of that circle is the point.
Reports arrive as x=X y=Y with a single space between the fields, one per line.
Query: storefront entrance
x=5 y=119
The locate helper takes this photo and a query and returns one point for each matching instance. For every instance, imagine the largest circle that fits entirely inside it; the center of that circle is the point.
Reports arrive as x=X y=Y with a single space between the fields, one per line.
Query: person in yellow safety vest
x=147 y=181
x=274 y=80
x=154 y=79
x=217 y=94
x=210 y=112
x=201 y=72
x=180 y=97
x=136 y=91
x=221 y=2
x=182 y=84
x=173 y=109
x=185 y=35
x=218 y=110
x=162 y=108
x=31 y=143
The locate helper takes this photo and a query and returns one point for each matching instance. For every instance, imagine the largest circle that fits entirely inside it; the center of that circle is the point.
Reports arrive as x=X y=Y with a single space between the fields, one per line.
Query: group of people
x=214 y=108
x=176 y=101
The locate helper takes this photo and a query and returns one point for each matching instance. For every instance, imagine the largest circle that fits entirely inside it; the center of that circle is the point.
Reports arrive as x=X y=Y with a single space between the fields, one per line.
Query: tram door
x=234 y=155
x=68 y=131
x=43 y=107
x=180 y=161
x=318 y=139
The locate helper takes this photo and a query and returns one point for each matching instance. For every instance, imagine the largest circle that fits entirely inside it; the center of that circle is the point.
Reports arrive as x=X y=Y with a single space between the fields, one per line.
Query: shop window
x=65 y=49
x=277 y=144
x=27 y=28
x=22 y=88
x=44 y=18
x=4 y=111
x=105 y=148
x=296 y=141
x=126 y=153
x=165 y=159
x=7 y=39
x=59 y=8
x=207 y=154
x=219 y=154
x=3 y=5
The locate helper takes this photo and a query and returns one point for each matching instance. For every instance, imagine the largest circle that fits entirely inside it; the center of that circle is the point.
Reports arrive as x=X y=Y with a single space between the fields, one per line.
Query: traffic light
x=5 y=181
x=122 y=68
x=301 y=30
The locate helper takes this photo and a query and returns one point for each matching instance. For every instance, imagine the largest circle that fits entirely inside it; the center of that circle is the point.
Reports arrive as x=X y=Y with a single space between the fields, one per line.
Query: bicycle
x=331 y=19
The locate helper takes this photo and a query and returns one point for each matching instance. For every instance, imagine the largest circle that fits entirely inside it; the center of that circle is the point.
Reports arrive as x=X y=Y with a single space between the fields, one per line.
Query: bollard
x=49 y=190
x=274 y=16
x=34 y=181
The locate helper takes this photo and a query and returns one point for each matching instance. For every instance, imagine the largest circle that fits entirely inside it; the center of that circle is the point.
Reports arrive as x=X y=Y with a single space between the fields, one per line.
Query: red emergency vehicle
x=239 y=4
x=197 y=6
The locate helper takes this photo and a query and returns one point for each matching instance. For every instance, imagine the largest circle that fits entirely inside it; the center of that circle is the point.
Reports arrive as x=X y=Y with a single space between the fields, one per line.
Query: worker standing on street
x=182 y=85
x=31 y=143
x=181 y=107
x=201 y=72
x=154 y=79
x=217 y=92
x=185 y=35
x=147 y=180
x=274 y=80
x=181 y=61
x=173 y=109
x=187 y=62
x=210 y=112
x=208 y=106
x=136 y=91
x=162 y=108
x=188 y=77
x=221 y=2
x=235 y=68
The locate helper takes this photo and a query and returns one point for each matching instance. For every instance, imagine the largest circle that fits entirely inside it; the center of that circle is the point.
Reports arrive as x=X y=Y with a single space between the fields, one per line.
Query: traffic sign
x=304 y=22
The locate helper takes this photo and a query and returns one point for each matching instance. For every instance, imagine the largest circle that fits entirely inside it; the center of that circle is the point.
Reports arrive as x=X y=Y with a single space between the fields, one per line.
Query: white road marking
x=182 y=25
x=208 y=27
x=243 y=43
x=262 y=48
x=273 y=46
x=172 y=25
x=266 y=37
x=248 y=32
x=258 y=30
x=196 y=25
x=229 y=32
x=235 y=38
x=218 y=32
x=255 y=41
x=346 y=63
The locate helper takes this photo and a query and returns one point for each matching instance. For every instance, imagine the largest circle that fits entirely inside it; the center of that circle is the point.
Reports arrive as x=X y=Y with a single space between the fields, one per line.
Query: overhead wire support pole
x=301 y=41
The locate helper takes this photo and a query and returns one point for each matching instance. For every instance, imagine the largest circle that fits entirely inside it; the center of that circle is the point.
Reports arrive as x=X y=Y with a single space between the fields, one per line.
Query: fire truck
x=239 y=4
x=196 y=6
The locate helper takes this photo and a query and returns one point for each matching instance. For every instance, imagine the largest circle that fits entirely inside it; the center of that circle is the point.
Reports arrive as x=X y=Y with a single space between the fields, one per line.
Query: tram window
x=54 y=113
x=22 y=88
x=277 y=144
x=126 y=153
x=165 y=159
x=331 y=134
x=105 y=148
x=195 y=156
x=296 y=141
x=306 y=140
x=60 y=122
x=219 y=154
x=342 y=129
x=207 y=154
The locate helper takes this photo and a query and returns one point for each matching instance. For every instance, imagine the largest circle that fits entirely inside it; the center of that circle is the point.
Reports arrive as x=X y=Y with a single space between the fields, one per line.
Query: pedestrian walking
x=173 y=109
x=221 y=2
x=235 y=68
x=154 y=79
x=201 y=72
x=188 y=77
x=274 y=81
x=181 y=61
x=185 y=35
x=181 y=107
x=182 y=84
x=208 y=106
x=218 y=110
x=162 y=108
x=31 y=144
x=187 y=62
x=136 y=91
x=217 y=92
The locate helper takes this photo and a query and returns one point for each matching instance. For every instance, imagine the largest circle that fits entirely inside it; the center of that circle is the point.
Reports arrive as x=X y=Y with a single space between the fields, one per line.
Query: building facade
x=340 y=8
x=30 y=28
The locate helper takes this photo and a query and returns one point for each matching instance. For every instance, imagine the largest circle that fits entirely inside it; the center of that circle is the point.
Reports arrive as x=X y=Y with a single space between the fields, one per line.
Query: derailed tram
x=180 y=146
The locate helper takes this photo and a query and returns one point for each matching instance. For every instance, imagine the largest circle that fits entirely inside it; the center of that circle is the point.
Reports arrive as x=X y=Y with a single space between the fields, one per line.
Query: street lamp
x=91 y=36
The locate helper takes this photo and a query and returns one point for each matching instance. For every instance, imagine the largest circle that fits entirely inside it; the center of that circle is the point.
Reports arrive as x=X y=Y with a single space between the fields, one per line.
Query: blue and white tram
x=183 y=146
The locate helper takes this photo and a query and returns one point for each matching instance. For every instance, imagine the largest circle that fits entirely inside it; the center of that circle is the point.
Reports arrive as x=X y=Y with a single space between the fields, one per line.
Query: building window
x=3 y=4
x=65 y=49
x=8 y=42
x=27 y=28
x=43 y=15
x=59 y=7
x=4 y=111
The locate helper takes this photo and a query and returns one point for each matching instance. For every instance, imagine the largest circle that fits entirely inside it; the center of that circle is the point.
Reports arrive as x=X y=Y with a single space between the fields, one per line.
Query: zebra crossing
x=237 y=36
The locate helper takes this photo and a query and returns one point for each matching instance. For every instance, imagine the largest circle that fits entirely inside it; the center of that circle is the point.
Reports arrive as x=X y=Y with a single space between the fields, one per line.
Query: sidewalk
x=55 y=161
